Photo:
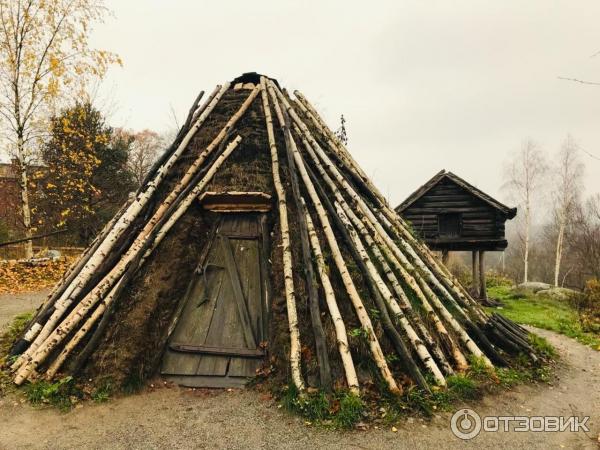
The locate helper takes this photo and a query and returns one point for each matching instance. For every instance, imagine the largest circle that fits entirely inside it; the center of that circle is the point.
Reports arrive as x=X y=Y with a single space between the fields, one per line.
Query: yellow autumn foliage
x=21 y=276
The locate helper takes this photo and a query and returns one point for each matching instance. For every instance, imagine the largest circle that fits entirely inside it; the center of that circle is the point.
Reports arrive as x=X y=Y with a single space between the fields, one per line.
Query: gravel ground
x=11 y=305
x=179 y=418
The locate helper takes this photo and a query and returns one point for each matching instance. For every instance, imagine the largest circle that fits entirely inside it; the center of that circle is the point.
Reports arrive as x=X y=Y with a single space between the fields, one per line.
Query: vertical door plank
x=238 y=294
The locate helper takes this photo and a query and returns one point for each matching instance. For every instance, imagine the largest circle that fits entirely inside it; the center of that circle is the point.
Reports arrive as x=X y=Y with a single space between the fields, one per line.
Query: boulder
x=557 y=293
x=53 y=254
x=533 y=286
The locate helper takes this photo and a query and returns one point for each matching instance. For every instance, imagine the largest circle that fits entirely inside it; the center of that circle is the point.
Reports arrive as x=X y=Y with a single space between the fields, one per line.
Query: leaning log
x=376 y=352
x=313 y=299
x=288 y=271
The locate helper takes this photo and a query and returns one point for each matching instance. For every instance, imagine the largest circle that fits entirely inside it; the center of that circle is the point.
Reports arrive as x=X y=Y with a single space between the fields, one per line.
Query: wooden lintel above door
x=235 y=201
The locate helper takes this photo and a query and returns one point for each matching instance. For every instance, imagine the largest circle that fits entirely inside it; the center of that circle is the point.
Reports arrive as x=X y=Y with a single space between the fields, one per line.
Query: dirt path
x=181 y=419
x=11 y=305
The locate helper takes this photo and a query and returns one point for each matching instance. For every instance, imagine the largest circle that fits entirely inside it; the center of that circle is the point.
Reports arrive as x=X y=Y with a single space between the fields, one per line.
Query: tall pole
x=475 y=278
x=445 y=257
x=482 y=289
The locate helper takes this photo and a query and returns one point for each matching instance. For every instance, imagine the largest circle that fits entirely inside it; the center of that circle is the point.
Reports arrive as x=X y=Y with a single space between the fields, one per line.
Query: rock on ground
x=533 y=286
x=557 y=293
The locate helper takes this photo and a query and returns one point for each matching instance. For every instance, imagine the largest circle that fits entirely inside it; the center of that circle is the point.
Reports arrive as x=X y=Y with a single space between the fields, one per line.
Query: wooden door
x=219 y=336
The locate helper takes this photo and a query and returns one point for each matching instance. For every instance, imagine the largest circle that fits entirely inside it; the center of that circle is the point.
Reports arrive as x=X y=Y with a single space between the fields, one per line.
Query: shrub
x=103 y=392
x=340 y=409
x=496 y=279
x=462 y=387
x=588 y=306
x=460 y=270
x=350 y=412
x=61 y=394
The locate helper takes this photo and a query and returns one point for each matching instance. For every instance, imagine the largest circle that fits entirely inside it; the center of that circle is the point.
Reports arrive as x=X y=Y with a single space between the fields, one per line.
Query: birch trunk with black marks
x=97 y=294
x=376 y=352
x=388 y=214
x=24 y=188
x=313 y=300
x=382 y=313
x=105 y=247
x=405 y=302
x=288 y=270
x=334 y=312
x=391 y=302
x=380 y=231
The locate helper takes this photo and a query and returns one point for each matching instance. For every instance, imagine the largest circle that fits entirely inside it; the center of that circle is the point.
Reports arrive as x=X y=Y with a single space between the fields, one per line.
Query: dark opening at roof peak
x=251 y=77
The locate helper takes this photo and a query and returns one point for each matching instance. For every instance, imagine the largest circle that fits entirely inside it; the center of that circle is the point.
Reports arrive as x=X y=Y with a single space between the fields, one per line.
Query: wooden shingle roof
x=509 y=212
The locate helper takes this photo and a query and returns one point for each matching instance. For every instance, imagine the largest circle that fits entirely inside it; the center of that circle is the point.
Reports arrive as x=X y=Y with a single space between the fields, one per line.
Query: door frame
x=263 y=238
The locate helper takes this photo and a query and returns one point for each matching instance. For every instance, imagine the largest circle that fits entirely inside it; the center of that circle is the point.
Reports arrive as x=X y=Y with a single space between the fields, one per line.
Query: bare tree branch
x=593 y=83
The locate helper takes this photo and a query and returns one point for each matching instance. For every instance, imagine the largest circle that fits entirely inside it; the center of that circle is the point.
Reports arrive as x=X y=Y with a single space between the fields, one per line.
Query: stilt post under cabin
x=445 y=257
x=482 y=289
x=475 y=273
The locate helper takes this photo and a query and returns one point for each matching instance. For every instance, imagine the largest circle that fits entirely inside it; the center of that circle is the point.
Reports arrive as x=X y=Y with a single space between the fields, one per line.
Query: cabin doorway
x=219 y=337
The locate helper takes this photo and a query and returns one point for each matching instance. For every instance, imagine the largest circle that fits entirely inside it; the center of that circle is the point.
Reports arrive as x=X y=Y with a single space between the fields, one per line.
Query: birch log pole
x=379 y=230
x=435 y=272
x=76 y=267
x=431 y=279
x=288 y=271
x=313 y=300
x=391 y=302
x=96 y=294
x=44 y=312
x=336 y=317
x=119 y=228
x=406 y=305
x=385 y=319
x=81 y=333
x=377 y=353
x=420 y=286
x=194 y=113
x=366 y=210
x=332 y=140
x=106 y=304
x=448 y=281
x=427 y=297
x=389 y=215
x=419 y=347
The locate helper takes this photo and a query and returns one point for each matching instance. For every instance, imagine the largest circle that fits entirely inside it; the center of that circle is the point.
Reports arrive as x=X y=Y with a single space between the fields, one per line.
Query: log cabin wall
x=450 y=214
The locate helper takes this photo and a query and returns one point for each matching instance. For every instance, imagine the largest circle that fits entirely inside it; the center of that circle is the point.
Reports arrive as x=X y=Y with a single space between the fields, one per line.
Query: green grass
x=336 y=410
x=343 y=410
x=62 y=394
x=478 y=381
x=542 y=312
x=15 y=329
x=103 y=392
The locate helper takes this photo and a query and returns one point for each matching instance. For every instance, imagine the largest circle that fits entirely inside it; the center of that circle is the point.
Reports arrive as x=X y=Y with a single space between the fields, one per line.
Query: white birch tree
x=567 y=182
x=44 y=55
x=524 y=176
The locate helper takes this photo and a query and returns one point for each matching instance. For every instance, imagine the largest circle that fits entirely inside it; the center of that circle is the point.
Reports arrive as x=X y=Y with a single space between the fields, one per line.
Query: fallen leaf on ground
x=28 y=276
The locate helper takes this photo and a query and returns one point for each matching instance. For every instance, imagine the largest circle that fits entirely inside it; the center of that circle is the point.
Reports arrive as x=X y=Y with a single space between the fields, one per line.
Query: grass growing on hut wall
x=542 y=312
x=62 y=394
x=342 y=410
x=338 y=410
x=15 y=329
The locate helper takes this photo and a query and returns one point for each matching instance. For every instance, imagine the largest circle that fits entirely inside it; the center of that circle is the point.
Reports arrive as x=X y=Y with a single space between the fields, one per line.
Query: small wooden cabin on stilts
x=453 y=215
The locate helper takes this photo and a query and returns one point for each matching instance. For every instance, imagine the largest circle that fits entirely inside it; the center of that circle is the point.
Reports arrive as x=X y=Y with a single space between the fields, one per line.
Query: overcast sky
x=424 y=85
